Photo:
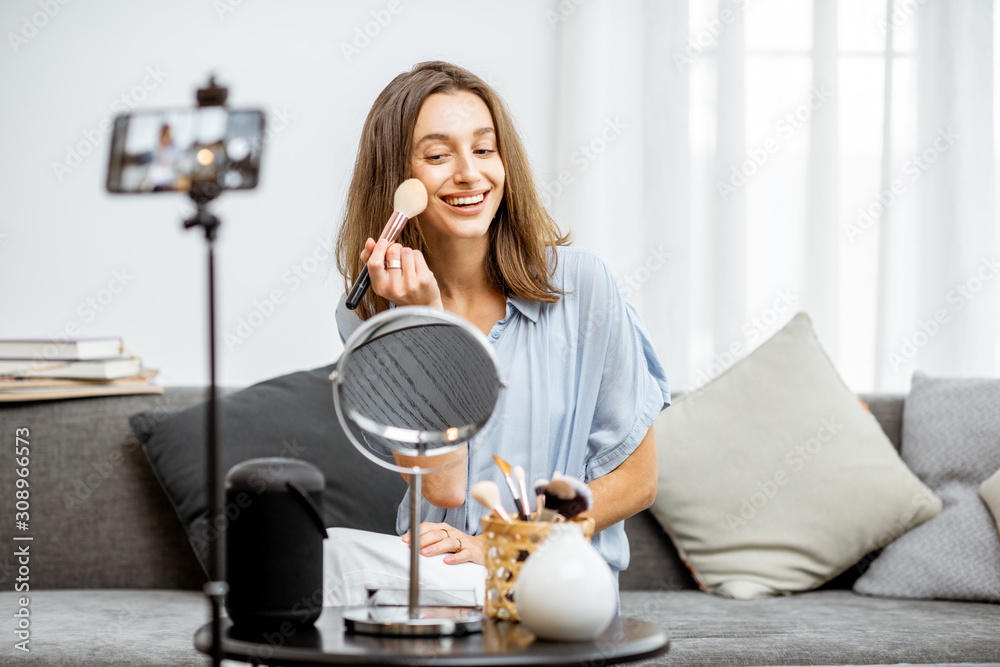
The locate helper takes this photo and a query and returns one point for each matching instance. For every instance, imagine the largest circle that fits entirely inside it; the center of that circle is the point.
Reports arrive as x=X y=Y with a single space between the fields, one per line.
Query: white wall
x=63 y=239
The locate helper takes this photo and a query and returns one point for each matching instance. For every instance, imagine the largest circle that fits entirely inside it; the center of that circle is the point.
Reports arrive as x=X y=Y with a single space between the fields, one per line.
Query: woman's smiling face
x=455 y=156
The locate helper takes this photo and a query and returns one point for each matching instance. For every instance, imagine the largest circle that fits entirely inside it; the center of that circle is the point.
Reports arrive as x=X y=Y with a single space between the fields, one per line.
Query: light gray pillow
x=990 y=493
x=951 y=440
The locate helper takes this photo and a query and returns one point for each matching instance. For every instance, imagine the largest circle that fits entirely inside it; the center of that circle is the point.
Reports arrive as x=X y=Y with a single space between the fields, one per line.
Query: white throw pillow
x=989 y=491
x=773 y=478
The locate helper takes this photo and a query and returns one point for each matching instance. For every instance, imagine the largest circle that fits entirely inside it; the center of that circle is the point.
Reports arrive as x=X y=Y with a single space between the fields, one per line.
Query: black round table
x=500 y=643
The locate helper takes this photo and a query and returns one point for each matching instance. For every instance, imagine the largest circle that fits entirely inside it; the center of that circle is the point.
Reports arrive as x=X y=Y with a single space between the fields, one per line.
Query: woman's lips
x=467 y=209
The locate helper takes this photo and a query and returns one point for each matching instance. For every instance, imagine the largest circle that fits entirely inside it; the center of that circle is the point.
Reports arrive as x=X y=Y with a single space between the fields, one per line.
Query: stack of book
x=35 y=370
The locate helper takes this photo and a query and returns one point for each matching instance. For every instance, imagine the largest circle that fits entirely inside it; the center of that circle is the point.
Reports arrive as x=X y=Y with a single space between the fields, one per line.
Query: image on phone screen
x=170 y=150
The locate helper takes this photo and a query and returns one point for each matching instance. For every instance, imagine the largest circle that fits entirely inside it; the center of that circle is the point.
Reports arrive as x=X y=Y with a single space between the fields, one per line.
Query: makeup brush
x=568 y=496
x=487 y=494
x=557 y=494
x=505 y=469
x=542 y=511
x=519 y=476
x=540 y=498
x=409 y=201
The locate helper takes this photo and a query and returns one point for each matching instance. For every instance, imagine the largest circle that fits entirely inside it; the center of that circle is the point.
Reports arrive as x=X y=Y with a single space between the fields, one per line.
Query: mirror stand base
x=396 y=621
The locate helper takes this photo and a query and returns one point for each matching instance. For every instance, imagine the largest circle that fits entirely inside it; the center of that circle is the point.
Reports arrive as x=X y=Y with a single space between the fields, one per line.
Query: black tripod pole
x=216 y=588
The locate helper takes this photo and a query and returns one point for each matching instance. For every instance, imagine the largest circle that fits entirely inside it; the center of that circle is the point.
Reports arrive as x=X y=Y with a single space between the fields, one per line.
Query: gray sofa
x=113 y=580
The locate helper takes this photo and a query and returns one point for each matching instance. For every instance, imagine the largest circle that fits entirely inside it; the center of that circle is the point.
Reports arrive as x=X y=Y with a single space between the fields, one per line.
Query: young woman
x=584 y=384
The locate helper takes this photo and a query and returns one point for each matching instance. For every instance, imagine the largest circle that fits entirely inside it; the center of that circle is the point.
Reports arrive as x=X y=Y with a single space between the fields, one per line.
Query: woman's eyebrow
x=444 y=137
x=433 y=137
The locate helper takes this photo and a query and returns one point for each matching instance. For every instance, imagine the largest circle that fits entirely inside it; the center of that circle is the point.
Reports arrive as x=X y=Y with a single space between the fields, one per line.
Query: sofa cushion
x=817 y=628
x=289 y=416
x=951 y=440
x=773 y=478
x=110 y=628
x=95 y=504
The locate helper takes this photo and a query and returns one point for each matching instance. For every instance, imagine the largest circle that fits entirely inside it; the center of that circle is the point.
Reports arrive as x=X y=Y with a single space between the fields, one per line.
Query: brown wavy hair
x=518 y=262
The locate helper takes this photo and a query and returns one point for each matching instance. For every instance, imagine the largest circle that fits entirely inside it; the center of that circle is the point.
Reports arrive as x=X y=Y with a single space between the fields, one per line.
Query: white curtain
x=741 y=160
x=621 y=156
x=955 y=275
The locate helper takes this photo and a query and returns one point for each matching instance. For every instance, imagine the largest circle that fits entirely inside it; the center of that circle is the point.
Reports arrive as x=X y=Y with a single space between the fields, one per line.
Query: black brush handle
x=358 y=289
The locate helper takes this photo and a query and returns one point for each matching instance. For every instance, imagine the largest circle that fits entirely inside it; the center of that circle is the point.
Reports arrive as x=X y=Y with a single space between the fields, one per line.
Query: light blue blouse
x=584 y=386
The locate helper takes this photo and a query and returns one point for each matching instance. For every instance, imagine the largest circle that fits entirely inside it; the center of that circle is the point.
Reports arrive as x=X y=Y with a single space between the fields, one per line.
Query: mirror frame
x=385 y=323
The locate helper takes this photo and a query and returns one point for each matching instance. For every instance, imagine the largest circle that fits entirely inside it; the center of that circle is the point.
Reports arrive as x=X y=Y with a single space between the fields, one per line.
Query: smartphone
x=170 y=150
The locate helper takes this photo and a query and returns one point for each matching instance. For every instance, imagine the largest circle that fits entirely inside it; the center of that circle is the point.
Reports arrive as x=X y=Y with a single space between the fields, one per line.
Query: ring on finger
x=393 y=264
x=459 y=544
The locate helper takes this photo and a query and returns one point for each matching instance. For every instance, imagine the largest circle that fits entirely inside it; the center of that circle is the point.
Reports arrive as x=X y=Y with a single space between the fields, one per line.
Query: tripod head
x=203 y=192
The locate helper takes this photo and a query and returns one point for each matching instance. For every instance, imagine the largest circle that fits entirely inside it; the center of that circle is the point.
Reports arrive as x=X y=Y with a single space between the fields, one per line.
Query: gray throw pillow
x=951 y=440
x=289 y=416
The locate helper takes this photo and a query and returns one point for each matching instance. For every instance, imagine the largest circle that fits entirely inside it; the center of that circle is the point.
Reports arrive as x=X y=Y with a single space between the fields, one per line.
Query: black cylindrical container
x=274 y=542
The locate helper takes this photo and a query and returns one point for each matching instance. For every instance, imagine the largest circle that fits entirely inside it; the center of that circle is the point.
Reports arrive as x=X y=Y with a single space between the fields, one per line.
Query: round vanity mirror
x=415 y=383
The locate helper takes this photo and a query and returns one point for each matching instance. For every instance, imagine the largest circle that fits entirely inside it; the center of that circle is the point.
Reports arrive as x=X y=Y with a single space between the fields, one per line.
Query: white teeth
x=459 y=201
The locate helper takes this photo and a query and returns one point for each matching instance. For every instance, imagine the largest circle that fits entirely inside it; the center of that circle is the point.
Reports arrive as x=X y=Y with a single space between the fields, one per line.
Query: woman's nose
x=466 y=170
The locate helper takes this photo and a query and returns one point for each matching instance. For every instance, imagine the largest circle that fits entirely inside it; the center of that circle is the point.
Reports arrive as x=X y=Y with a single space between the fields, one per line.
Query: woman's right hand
x=412 y=284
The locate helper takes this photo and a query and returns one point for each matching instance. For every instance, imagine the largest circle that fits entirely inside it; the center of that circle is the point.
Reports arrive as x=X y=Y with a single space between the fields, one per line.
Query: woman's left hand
x=442 y=538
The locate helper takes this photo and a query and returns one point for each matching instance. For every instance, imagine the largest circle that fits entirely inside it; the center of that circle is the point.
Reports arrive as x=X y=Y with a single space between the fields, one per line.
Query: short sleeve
x=633 y=387
x=347 y=320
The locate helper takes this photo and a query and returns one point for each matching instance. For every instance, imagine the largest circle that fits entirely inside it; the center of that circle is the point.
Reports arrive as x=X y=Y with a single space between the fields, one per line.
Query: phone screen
x=169 y=150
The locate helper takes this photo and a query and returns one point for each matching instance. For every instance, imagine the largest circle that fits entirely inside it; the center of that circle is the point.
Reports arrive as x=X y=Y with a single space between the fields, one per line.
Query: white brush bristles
x=410 y=198
x=486 y=494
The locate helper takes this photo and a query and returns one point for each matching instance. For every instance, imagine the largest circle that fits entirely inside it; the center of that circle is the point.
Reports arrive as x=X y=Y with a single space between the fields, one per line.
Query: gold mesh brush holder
x=507 y=546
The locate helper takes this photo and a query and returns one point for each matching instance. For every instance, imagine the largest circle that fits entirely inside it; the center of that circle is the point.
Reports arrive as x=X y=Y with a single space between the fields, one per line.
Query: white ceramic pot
x=565 y=590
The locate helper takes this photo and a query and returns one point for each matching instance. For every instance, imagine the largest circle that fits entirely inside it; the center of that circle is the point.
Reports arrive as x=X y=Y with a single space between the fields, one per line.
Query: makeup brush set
x=511 y=537
x=556 y=500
